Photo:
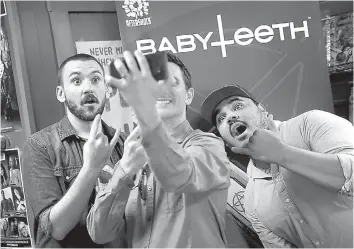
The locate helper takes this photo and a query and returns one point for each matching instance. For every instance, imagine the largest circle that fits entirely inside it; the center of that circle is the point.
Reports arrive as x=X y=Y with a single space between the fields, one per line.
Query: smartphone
x=157 y=62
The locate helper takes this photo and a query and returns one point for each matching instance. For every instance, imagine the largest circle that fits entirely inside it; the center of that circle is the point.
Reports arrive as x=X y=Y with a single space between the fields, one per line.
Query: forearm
x=168 y=162
x=167 y=159
x=148 y=120
x=66 y=213
x=199 y=166
x=106 y=217
x=324 y=169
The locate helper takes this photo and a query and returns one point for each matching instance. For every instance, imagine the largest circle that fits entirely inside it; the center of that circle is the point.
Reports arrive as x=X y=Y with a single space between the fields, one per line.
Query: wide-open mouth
x=237 y=129
x=89 y=100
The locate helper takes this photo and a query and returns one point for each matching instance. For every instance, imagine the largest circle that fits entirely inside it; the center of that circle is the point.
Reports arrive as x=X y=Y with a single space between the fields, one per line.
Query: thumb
x=274 y=168
x=271 y=124
x=134 y=135
x=243 y=151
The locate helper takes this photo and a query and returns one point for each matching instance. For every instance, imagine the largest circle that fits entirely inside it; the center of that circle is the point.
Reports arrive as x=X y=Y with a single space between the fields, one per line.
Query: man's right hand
x=134 y=157
x=97 y=150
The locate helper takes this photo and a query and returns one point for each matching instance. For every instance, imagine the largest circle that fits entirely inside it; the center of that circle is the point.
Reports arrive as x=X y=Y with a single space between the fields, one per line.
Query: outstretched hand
x=137 y=85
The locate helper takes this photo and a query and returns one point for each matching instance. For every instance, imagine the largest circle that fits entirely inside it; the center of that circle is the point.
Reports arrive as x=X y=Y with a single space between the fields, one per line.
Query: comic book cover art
x=15 y=232
x=338 y=32
x=14 y=223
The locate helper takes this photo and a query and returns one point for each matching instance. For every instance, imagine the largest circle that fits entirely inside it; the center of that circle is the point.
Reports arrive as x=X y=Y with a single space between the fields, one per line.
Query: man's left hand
x=264 y=145
x=139 y=89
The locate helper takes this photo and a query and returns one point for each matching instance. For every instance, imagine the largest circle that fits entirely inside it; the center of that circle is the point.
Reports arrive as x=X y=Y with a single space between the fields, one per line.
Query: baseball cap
x=216 y=97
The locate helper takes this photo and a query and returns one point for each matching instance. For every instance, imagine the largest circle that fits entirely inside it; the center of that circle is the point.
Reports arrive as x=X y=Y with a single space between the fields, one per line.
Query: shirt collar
x=66 y=129
x=182 y=131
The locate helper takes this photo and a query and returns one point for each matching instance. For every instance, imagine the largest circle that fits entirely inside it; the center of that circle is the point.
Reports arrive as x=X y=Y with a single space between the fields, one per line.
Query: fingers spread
x=143 y=63
x=131 y=62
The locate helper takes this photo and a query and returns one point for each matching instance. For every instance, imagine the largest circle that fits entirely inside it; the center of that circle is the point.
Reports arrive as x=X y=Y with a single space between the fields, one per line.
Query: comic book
x=338 y=34
x=14 y=222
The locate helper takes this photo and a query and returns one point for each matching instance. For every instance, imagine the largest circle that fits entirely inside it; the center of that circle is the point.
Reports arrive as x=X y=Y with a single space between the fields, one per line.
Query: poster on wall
x=14 y=222
x=338 y=33
x=10 y=114
x=117 y=113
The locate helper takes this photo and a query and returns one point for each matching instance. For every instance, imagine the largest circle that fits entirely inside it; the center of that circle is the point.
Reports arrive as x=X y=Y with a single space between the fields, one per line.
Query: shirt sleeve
x=40 y=185
x=327 y=133
x=200 y=166
x=105 y=220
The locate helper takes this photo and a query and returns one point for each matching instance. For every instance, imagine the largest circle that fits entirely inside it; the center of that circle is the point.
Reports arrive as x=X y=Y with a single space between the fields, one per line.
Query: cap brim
x=216 y=97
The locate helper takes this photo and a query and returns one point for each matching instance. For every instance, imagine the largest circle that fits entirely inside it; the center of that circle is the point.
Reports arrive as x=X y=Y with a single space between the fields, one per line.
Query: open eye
x=237 y=106
x=221 y=118
x=96 y=79
x=76 y=81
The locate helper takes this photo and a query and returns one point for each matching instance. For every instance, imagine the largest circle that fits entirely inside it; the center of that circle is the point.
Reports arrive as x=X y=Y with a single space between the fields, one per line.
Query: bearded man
x=63 y=162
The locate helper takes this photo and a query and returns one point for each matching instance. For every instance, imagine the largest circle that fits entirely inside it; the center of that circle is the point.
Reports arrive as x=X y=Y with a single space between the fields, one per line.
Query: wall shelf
x=341 y=76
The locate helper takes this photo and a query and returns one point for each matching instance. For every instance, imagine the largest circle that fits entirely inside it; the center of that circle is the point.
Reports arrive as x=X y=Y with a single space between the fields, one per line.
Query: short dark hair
x=76 y=57
x=186 y=75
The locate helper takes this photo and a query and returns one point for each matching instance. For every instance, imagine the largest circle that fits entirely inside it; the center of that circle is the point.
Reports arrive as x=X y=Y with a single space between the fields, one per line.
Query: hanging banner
x=274 y=49
x=117 y=113
x=14 y=222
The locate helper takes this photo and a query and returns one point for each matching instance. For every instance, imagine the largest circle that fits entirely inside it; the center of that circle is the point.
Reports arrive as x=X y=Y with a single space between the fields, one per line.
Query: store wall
x=41 y=62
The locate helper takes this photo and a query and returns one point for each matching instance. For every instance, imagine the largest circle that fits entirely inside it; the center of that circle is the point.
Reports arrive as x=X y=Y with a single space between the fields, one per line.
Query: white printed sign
x=117 y=115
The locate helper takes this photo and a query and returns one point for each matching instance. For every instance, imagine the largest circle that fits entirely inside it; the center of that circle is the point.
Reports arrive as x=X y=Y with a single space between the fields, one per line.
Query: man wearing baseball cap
x=300 y=188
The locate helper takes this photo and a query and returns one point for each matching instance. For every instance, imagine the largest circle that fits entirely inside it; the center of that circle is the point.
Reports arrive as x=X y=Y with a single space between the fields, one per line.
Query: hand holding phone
x=140 y=89
x=157 y=62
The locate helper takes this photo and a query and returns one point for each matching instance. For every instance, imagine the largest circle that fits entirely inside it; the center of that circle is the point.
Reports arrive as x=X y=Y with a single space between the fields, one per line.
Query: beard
x=85 y=113
x=260 y=120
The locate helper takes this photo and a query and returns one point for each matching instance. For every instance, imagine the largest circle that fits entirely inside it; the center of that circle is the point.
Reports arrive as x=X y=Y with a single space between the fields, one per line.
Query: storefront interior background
x=43 y=35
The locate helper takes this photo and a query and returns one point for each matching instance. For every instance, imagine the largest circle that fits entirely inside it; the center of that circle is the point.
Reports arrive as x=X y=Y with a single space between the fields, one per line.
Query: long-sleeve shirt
x=186 y=184
x=52 y=159
x=289 y=210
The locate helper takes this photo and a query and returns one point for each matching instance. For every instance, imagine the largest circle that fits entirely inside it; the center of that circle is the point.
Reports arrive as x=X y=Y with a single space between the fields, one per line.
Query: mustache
x=89 y=98
x=234 y=120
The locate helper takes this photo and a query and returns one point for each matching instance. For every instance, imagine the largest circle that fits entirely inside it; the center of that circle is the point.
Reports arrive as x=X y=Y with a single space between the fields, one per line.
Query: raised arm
x=331 y=159
x=106 y=221
x=57 y=215
x=201 y=166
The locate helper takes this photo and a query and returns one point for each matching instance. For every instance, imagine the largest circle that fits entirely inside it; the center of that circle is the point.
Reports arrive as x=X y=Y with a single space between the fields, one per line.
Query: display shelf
x=339 y=43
